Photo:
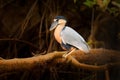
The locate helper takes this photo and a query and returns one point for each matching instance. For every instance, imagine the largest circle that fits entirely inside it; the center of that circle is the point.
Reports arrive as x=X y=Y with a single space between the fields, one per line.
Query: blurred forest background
x=24 y=31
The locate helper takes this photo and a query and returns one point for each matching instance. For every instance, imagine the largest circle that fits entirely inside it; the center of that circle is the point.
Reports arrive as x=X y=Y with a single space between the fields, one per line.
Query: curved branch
x=55 y=57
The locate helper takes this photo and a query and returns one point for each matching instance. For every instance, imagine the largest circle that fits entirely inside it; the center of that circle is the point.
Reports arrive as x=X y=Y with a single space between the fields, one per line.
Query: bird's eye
x=55 y=19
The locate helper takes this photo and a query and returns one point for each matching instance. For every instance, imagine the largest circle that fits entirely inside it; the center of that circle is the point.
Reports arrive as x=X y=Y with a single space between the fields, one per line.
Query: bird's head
x=58 y=20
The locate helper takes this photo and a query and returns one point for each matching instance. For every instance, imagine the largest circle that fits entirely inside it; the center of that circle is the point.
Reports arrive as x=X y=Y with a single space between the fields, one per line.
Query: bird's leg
x=66 y=54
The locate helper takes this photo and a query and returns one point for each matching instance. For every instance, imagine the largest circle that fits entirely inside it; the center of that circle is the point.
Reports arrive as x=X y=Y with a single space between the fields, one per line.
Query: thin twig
x=26 y=20
x=22 y=41
x=5 y=4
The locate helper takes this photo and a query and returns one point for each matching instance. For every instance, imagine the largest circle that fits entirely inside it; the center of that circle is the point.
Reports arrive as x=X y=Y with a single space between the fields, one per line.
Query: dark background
x=24 y=32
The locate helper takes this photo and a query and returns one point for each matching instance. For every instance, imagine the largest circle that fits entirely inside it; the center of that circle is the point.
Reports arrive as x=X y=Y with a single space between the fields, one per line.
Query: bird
x=67 y=37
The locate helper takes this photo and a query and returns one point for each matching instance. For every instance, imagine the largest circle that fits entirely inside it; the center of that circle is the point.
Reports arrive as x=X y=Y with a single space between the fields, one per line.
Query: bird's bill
x=53 y=25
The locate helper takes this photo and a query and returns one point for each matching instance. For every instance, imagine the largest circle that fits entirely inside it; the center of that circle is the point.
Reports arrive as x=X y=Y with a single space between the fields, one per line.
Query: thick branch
x=56 y=57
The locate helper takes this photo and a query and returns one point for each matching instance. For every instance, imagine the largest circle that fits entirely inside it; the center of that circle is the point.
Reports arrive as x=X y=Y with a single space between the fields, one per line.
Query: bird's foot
x=68 y=53
x=64 y=55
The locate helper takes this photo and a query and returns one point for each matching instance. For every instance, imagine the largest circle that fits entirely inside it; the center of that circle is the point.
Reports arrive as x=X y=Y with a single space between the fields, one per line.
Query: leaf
x=89 y=3
x=103 y=4
x=75 y=1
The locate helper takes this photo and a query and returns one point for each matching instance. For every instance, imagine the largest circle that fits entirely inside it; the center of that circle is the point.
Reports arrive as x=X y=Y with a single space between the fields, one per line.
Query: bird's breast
x=57 y=34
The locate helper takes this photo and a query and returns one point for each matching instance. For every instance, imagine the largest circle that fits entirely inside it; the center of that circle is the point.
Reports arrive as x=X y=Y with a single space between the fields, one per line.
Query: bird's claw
x=67 y=60
x=64 y=55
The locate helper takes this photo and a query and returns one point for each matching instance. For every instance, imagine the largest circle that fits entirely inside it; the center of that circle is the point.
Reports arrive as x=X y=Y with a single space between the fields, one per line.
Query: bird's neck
x=57 y=32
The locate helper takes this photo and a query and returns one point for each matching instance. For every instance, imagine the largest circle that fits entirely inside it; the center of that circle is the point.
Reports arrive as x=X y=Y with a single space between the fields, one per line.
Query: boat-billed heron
x=68 y=38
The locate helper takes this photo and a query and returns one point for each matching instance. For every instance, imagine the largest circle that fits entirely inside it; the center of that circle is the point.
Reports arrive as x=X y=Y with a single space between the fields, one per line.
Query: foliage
x=90 y=3
x=105 y=5
x=101 y=3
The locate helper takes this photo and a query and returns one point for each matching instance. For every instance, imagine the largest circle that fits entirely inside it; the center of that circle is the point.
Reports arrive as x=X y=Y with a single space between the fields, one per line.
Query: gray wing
x=71 y=37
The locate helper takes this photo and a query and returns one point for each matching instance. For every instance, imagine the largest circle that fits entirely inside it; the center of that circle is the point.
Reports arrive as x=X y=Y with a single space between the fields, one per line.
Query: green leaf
x=90 y=3
x=75 y=1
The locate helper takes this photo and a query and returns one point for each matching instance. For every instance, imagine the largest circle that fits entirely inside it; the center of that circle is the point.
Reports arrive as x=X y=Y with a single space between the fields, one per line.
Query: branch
x=76 y=59
x=21 y=41
x=116 y=4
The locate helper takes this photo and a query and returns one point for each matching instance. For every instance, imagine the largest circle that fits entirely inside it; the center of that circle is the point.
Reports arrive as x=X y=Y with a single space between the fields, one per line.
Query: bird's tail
x=83 y=47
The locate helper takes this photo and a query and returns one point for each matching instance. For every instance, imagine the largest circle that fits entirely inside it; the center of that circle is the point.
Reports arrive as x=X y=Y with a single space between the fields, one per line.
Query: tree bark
x=103 y=58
